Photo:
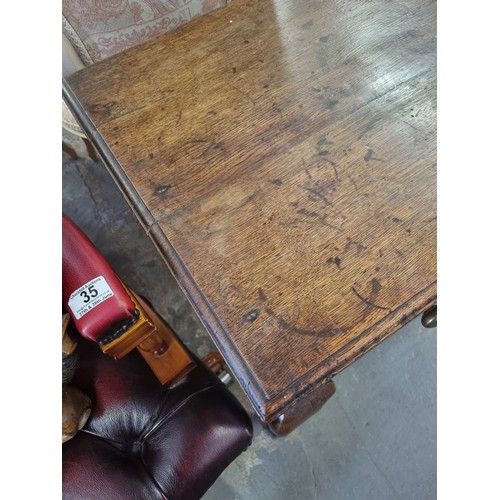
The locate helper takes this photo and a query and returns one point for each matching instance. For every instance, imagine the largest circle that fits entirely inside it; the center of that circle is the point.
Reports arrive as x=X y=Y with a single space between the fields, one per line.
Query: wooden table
x=282 y=157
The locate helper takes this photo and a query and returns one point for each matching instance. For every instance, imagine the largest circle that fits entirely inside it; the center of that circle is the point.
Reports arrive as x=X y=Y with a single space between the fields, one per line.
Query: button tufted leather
x=144 y=441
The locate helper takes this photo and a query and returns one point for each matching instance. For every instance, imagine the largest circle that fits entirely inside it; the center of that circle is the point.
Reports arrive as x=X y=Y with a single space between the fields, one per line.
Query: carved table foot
x=302 y=409
x=429 y=318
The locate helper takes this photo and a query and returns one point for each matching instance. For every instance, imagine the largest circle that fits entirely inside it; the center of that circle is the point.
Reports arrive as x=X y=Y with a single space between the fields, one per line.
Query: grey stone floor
x=375 y=439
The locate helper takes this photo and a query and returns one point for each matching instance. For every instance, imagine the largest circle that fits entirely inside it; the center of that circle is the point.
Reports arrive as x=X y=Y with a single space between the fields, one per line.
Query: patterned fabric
x=69 y=122
x=101 y=28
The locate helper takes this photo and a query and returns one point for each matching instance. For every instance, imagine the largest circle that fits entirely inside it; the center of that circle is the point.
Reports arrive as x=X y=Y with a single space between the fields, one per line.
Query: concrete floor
x=375 y=439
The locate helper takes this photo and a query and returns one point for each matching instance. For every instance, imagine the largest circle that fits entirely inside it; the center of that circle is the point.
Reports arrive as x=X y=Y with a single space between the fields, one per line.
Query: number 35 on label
x=88 y=296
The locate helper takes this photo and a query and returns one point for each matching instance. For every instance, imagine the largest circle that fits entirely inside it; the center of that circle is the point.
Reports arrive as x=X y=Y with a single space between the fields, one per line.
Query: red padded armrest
x=91 y=292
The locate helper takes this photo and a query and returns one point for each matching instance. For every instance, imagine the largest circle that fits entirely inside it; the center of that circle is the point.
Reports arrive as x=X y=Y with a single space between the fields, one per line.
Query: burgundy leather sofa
x=144 y=439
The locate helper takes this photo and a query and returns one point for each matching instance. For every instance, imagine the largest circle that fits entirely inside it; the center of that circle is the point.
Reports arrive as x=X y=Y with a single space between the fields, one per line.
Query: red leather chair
x=147 y=437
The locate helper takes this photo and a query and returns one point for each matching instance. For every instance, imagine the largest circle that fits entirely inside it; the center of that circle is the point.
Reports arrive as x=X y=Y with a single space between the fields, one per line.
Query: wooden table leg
x=303 y=409
x=429 y=318
x=90 y=150
x=68 y=149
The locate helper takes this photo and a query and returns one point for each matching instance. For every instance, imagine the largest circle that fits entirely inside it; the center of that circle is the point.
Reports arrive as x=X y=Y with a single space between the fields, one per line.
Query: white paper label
x=88 y=296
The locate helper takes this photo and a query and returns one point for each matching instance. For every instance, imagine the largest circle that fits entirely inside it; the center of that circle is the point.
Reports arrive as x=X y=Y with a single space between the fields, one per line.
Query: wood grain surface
x=282 y=156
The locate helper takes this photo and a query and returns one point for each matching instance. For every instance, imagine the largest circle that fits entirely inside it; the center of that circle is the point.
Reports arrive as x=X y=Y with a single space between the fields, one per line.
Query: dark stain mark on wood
x=285 y=325
x=333 y=166
x=247 y=200
x=324 y=39
x=265 y=86
x=162 y=189
x=318 y=194
x=307 y=25
x=151 y=156
x=234 y=69
x=315 y=89
x=262 y=295
x=251 y=316
x=277 y=182
x=351 y=242
x=353 y=182
x=317 y=218
x=330 y=103
x=307 y=213
x=335 y=261
x=324 y=142
x=324 y=153
x=376 y=287
x=414 y=115
x=369 y=156
x=396 y=219
x=246 y=41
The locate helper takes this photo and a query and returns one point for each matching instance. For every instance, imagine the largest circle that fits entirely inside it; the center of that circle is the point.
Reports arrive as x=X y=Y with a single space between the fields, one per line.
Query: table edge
x=268 y=408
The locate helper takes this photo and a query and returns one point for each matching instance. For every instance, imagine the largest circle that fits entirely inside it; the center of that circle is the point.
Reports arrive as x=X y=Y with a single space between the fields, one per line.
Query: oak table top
x=282 y=157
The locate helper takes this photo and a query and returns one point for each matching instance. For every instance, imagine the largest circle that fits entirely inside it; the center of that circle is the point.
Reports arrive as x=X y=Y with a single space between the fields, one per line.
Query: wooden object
x=282 y=157
x=156 y=341
x=70 y=151
x=162 y=350
x=303 y=408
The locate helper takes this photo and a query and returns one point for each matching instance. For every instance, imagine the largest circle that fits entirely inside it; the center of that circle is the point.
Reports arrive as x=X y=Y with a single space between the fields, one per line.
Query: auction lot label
x=88 y=296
